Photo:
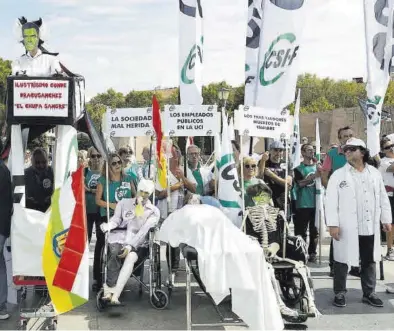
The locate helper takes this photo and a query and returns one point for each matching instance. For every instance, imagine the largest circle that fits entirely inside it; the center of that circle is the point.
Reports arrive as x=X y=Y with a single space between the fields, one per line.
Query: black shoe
x=354 y=271
x=339 y=300
x=95 y=287
x=312 y=258
x=373 y=300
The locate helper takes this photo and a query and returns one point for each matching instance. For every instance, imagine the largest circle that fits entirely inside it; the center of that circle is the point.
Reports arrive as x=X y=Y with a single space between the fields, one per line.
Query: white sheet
x=28 y=228
x=227 y=259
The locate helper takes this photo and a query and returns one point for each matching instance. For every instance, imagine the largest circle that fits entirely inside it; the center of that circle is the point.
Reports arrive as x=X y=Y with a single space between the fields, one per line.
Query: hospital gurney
x=44 y=308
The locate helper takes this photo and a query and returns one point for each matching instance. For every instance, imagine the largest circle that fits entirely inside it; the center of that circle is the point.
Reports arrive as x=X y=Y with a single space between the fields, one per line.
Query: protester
x=39 y=182
x=92 y=174
x=130 y=168
x=275 y=175
x=6 y=208
x=27 y=158
x=357 y=199
x=201 y=177
x=120 y=186
x=148 y=168
x=177 y=182
x=236 y=151
x=335 y=160
x=82 y=158
x=305 y=190
x=386 y=168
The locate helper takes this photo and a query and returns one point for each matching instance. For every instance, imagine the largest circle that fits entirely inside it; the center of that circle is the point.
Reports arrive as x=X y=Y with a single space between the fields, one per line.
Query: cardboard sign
x=130 y=122
x=258 y=122
x=41 y=98
x=185 y=121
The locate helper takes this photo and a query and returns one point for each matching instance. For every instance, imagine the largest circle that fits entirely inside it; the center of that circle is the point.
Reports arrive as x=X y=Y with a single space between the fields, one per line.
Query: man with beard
x=39 y=182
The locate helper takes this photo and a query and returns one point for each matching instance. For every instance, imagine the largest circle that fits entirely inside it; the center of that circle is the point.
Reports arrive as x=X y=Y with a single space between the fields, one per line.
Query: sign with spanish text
x=130 y=122
x=42 y=98
x=190 y=121
x=256 y=122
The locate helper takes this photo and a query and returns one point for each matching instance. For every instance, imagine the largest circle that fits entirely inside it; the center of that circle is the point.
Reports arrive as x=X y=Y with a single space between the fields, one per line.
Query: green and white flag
x=229 y=192
x=253 y=28
x=378 y=17
x=190 y=51
x=280 y=43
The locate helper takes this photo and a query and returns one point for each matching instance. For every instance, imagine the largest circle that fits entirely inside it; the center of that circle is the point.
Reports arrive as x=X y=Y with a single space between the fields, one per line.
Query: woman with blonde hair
x=82 y=158
x=120 y=186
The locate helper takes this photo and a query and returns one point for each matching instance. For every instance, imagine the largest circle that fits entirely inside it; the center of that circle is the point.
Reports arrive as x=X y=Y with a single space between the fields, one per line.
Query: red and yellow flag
x=160 y=155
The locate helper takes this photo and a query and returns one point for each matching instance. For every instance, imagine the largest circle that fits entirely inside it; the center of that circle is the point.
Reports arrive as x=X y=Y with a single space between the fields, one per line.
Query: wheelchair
x=293 y=282
x=158 y=298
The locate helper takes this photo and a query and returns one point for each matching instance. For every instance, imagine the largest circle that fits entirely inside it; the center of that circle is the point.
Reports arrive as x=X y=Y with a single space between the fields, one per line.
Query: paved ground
x=138 y=313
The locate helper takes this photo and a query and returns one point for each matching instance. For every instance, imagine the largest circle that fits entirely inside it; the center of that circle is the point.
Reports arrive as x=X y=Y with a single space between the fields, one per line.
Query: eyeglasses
x=248 y=166
x=388 y=147
x=95 y=156
x=351 y=149
x=116 y=162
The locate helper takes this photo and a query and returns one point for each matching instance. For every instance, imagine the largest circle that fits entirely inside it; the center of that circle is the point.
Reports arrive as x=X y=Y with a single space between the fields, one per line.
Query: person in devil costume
x=37 y=61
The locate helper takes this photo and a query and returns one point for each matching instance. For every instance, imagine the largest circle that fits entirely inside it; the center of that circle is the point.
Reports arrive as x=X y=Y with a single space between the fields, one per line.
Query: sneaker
x=373 y=300
x=312 y=258
x=4 y=315
x=339 y=300
x=390 y=254
x=354 y=271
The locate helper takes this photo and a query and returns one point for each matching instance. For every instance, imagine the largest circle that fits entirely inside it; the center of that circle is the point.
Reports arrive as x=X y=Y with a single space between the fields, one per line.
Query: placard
x=259 y=122
x=190 y=121
x=130 y=122
x=41 y=98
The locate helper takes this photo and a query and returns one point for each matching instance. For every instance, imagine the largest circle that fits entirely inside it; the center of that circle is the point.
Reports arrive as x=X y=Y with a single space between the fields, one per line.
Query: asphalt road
x=139 y=314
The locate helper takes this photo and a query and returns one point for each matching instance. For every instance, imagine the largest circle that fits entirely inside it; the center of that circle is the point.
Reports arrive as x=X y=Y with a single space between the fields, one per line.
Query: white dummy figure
x=128 y=229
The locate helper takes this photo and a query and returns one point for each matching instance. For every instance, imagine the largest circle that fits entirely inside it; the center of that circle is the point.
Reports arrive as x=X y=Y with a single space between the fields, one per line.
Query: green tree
x=5 y=71
x=139 y=99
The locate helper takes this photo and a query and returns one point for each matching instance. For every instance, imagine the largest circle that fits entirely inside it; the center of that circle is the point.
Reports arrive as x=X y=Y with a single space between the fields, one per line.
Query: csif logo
x=189 y=64
x=278 y=58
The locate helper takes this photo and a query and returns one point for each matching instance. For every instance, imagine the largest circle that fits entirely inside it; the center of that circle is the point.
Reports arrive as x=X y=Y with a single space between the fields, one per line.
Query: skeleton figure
x=264 y=218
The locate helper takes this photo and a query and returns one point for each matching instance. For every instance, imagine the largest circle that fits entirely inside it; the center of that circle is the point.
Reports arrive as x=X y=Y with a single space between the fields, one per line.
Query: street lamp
x=223 y=95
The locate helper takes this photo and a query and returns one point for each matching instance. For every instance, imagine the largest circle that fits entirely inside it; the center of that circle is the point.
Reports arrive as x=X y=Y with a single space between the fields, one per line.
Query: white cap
x=146 y=186
x=355 y=142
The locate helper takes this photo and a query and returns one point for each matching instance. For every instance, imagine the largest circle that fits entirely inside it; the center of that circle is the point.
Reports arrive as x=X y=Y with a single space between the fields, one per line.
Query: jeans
x=3 y=276
x=305 y=217
x=92 y=219
x=368 y=268
x=97 y=267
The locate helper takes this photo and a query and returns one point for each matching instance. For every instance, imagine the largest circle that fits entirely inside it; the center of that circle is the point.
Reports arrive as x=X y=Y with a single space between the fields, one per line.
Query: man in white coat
x=356 y=203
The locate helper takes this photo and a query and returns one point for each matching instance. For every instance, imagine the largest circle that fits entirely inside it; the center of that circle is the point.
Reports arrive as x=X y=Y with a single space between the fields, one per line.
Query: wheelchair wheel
x=159 y=299
x=292 y=287
x=100 y=303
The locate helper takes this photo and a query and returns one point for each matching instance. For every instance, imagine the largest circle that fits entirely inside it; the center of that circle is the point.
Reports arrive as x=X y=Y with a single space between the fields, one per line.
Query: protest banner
x=256 y=122
x=130 y=122
x=42 y=98
x=185 y=121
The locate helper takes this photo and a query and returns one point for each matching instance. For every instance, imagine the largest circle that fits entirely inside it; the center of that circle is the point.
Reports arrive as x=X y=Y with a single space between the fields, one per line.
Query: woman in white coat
x=356 y=203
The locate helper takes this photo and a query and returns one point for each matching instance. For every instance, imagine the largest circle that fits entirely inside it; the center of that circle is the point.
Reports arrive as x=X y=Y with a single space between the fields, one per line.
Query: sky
x=133 y=44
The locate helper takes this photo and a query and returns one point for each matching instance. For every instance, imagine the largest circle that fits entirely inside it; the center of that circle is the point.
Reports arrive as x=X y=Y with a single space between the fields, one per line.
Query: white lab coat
x=341 y=211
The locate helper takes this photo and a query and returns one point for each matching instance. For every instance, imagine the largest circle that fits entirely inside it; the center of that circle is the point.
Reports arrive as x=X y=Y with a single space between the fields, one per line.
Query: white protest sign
x=190 y=121
x=130 y=122
x=47 y=98
x=258 y=122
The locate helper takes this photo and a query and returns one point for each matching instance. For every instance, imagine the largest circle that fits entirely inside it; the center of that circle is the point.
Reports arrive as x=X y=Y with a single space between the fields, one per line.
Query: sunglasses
x=248 y=166
x=95 y=156
x=351 y=149
x=388 y=147
x=116 y=163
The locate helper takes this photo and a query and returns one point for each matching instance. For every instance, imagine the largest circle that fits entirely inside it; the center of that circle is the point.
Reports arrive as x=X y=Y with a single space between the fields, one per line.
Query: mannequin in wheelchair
x=268 y=224
x=127 y=232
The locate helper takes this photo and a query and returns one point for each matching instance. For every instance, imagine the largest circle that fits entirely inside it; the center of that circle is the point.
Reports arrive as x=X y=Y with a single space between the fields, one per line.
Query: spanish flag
x=160 y=155
x=66 y=252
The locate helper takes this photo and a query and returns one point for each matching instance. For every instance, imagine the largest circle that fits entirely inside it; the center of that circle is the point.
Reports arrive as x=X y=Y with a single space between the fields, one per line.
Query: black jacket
x=39 y=188
x=6 y=200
